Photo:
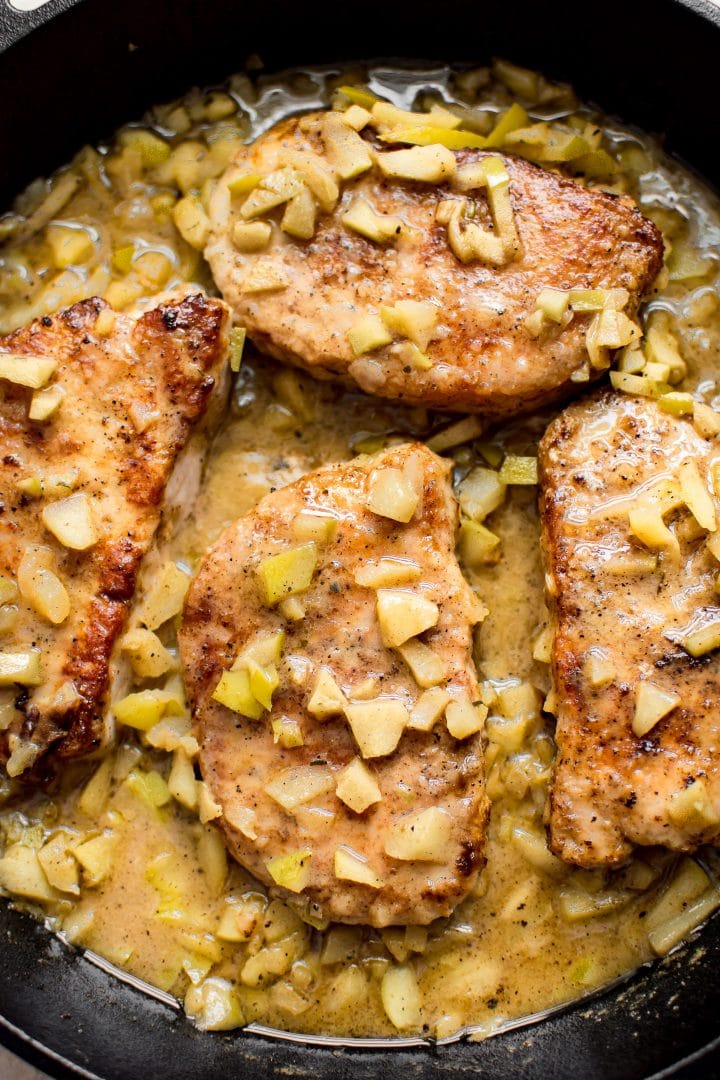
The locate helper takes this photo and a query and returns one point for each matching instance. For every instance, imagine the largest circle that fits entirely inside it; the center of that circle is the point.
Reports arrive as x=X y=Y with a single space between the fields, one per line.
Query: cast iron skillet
x=87 y=67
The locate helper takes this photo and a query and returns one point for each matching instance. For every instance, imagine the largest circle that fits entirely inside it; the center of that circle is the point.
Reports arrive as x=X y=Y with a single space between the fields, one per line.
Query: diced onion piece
x=20 y=667
x=214 y=1006
x=412 y=319
x=96 y=792
x=251 y=236
x=234 y=692
x=533 y=847
x=599 y=670
x=242 y=818
x=670 y=934
x=368 y=334
x=292 y=871
x=692 y=808
x=470 y=242
x=70 y=521
x=21 y=873
x=703 y=640
x=428 y=669
x=428 y=709
x=357 y=787
x=287 y=573
x=424 y=836
x=696 y=495
x=427 y=164
x=265 y=275
x=191 y=221
x=31 y=371
x=377 y=725
x=350 y=866
x=403 y=614
x=41 y=587
x=688 y=882
x=464 y=718
x=456 y=434
x=392 y=494
x=519 y=470
x=314 y=526
x=386 y=571
x=292 y=609
x=8 y=590
x=300 y=215
x=346 y=151
x=401 y=997
x=326 y=698
x=363 y=219
x=46 y=402
x=477 y=546
x=144 y=709
x=58 y=864
x=646 y=523
x=300 y=784
x=319 y=179
x=651 y=705
x=208 y=809
x=165 y=597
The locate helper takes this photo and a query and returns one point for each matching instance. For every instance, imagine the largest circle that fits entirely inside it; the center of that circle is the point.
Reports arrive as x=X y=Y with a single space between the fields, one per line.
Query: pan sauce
x=166 y=906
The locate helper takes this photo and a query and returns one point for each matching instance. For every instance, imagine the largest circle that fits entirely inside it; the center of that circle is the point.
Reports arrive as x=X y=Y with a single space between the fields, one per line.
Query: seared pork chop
x=300 y=299
x=629 y=530
x=347 y=790
x=83 y=494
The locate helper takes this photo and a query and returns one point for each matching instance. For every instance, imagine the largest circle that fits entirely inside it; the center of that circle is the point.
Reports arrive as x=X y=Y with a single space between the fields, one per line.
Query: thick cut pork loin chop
x=83 y=493
x=300 y=298
x=629 y=515
x=359 y=791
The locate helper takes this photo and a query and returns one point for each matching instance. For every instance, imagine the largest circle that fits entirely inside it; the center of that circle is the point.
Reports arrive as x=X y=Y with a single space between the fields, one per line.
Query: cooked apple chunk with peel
x=452 y=247
x=354 y=727
x=636 y=640
x=421 y=837
x=86 y=493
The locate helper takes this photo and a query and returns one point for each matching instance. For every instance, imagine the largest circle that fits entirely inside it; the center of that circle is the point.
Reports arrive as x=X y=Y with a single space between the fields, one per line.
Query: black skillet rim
x=47 y=976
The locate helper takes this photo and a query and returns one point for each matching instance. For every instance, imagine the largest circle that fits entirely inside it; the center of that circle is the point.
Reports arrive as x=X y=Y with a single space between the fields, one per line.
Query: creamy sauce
x=511 y=949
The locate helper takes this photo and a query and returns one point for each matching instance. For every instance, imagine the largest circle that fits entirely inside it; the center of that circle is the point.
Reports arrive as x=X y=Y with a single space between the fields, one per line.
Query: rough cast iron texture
x=85 y=68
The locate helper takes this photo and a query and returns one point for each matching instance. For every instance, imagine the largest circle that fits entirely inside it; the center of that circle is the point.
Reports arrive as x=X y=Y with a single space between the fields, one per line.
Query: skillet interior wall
x=78 y=77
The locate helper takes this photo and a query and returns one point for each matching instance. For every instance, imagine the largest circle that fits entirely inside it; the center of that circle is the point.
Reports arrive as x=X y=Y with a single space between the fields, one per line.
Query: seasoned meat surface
x=622 y=622
x=339 y=635
x=138 y=391
x=482 y=357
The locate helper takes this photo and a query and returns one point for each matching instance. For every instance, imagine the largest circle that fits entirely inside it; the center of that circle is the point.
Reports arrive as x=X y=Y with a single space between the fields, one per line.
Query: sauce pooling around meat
x=122 y=856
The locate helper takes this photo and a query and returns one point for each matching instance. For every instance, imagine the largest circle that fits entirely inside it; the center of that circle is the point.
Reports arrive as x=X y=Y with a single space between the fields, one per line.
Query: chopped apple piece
x=428 y=709
x=412 y=319
x=477 y=545
x=148 y=656
x=421 y=837
x=214 y=1005
x=287 y=732
x=651 y=705
x=326 y=698
x=464 y=718
x=387 y=571
x=696 y=495
x=349 y=866
x=403 y=614
x=182 y=784
x=20 y=667
x=251 y=236
x=400 y=996
x=233 y=690
x=300 y=215
x=45 y=403
x=165 y=596
x=377 y=725
x=692 y=807
x=703 y=640
x=96 y=858
x=291 y=872
x=31 y=371
x=208 y=809
x=58 y=864
x=356 y=117
x=647 y=524
x=314 y=526
x=599 y=670
x=242 y=818
x=21 y=873
x=357 y=787
x=428 y=669
x=8 y=590
x=40 y=585
x=70 y=521
x=316 y=175
x=368 y=334
x=385 y=115
x=426 y=164
x=481 y=492
x=299 y=784
x=367 y=222
x=392 y=494
x=264 y=276
x=288 y=573
x=346 y=151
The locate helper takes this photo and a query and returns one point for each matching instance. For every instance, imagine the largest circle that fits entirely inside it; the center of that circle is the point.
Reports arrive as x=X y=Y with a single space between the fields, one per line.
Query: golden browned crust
x=340 y=630
x=612 y=789
x=484 y=361
x=133 y=399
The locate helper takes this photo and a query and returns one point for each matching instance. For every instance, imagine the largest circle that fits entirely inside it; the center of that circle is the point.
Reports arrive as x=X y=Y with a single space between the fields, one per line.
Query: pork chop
x=348 y=792
x=629 y=530
x=302 y=300
x=83 y=496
